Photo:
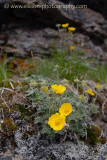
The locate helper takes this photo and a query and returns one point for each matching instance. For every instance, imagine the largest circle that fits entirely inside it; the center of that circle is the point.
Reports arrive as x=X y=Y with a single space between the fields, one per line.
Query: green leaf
x=31 y=92
x=94 y=109
x=38 y=120
x=46 y=129
x=42 y=109
x=27 y=80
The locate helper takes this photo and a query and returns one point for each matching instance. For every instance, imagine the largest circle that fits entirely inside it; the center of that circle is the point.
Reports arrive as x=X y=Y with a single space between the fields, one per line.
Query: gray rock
x=22 y=41
x=36 y=32
x=16 y=114
x=38 y=148
x=5 y=157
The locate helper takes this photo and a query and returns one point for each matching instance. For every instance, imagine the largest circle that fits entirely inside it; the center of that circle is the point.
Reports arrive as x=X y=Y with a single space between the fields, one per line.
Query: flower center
x=66 y=111
x=57 y=123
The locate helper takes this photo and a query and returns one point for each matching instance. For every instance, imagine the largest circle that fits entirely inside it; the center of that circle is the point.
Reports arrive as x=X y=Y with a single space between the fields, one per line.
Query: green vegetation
x=68 y=71
x=47 y=103
x=70 y=67
x=58 y=67
x=93 y=134
x=4 y=72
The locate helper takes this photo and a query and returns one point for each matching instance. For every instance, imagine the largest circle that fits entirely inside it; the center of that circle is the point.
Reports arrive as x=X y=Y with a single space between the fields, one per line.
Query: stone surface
x=5 y=157
x=35 y=146
x=21 y=35
x=99 y=5
x=21 y=42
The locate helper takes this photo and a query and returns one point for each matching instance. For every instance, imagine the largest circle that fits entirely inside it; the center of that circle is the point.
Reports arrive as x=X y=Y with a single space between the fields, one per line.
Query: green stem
x=77 y=88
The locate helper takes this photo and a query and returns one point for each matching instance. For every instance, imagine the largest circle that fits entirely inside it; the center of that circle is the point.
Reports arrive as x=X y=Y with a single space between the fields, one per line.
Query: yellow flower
x=71 y=29
x=89 y=91
x=98 y=86
x=57 y=121
x=59 y=89
x=73 y=47
x=44 y=89
x=65 y=25
x=55 y=86
x=65 y=109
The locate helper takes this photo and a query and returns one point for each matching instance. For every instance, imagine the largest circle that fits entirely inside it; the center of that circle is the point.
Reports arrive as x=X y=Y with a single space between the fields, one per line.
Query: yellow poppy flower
x=89 y=91
x=59 y=89
x=57 y=121
x=65 y=25
x=71 y=29
x=55 y=86
x=98 y=86
x=65 y=109
x=73 y=47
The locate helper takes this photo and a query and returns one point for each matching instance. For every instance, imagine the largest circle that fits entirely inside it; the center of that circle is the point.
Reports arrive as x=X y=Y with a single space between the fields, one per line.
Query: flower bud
x=76 y=80
x=84 y=83
x=64 y=81
x=52 y=91
x=56 y=66
x=58 y=25
x=82 y=98
x=66 y=85
x=43 y=83
x=98 y=86
x=33 y=83
x=44 y=89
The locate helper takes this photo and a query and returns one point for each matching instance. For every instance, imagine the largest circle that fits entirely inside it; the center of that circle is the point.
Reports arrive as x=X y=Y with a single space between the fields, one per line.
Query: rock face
x=22 y=42
x=99 y=5
x=23 y=30
x=30 y=145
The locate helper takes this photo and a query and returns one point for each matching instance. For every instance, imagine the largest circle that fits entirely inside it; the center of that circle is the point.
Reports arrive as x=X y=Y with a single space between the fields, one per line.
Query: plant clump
x=59 y=109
